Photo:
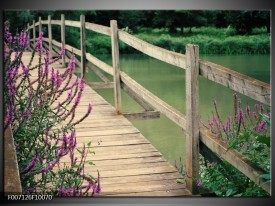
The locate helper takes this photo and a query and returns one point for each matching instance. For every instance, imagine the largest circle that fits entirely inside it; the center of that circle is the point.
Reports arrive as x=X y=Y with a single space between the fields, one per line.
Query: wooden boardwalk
x=129 y=165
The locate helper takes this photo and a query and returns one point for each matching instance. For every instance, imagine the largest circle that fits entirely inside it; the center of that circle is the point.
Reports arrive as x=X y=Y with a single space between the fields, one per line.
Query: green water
x=168 y=83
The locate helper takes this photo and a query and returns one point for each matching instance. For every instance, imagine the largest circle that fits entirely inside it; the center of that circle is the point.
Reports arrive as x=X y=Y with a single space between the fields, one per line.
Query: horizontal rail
x=236 y=81
x=98 y=28
x=159 y=53
x=153 y=100
x=241 y=163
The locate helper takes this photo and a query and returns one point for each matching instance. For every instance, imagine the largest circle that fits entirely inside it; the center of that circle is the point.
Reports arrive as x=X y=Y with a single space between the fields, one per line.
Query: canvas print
x=140 y=103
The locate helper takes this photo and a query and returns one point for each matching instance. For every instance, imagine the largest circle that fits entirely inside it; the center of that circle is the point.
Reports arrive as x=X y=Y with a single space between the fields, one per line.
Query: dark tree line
x=242 y=21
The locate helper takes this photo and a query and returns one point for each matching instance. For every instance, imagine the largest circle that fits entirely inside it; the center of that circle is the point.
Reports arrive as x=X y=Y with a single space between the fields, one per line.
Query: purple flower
x=262 y=108
x=25 y=70
x=228 y=124
x=247 y=108
x=82 y=85
x=62 y=52
x=199 y=184
x=70 y=94
x=46 y=132
x=31 y=165
x=77 y=100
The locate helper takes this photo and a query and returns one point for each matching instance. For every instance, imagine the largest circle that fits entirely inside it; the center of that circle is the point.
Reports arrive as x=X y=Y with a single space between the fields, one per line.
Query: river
x=168 y=83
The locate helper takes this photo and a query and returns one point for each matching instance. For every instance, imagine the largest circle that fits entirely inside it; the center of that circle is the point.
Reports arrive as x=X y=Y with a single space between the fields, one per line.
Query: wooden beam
x=39 y=25
x=56 y=22
x=83 y=45
x=101 y=85
x=73 y=23
x=240 y=162
x=98 y=28
x=28 y=30
x=153 y=100
x=50 y=35
x=63 y=37
x=159 y=53
x=97 y=72
x=236 y=81
x=115 y=58
x=141 y=115
x=33 y=33
x=192 y=117
x=100 y=64
x=136 y=97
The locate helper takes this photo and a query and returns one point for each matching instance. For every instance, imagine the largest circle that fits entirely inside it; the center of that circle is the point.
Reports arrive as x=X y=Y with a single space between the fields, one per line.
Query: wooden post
x=83 y=45
x=192 y=117
x=33 y=33
x=28 y=30
x=50 y=35
x=40 y=25
x=63 y=37
x=115 y=58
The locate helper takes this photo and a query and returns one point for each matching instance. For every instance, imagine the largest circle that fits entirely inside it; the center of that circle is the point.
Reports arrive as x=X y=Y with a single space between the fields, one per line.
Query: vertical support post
x=33 y=33
x=28 y=30
x=63 y=37
x=192 y=117
x=115 y=58
x=40 y=25
x=50 y=35
x=83 y=45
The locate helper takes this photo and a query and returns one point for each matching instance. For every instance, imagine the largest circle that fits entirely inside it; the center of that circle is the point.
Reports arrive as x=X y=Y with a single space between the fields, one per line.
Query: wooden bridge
x=128 y=164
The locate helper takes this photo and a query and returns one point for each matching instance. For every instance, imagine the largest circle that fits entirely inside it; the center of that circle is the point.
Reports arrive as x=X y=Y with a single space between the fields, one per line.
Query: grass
x=210 y=40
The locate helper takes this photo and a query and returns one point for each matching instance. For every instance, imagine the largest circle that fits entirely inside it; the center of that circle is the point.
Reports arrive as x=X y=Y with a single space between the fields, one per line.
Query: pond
x=168 y=83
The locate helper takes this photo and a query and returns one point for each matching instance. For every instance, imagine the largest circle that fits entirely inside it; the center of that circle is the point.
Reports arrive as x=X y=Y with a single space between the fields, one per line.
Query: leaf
x=180 y=181
x=91 y=152
x=229 y=192
x=76 y=166
x=91 y=163
x=79 y=151
x=264 y=140
x=265 y=176
x=89 y=144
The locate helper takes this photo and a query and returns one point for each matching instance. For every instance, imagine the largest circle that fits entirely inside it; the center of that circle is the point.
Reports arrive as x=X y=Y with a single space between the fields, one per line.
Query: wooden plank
x=133 y=161
x=83 y=45
x=73 y=23
x=240 y=162
x=159 y=193
x=142 y=187
x=238 y=82
x=101 y=85
x=63 y=38
x=39 y=25
x=34 y=38
x=116 y=156
x=159 y=53
x=98 y=72
x=50 y=35
x=130 y=130
x=136 y=97
x=141 y=115
x=140 y=178
x=156 y=102
x=98 y=28
x=115 y=58
x=192 y=117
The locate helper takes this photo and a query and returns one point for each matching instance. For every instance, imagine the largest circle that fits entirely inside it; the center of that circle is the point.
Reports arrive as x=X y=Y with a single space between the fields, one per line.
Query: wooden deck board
x=127 y=162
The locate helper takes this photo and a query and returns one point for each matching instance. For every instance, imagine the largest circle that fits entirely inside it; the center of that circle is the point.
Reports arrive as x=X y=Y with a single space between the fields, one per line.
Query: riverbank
x=210 y=40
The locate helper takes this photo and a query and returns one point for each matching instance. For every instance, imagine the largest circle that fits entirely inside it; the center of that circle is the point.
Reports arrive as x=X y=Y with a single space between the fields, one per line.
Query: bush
x=33 y=108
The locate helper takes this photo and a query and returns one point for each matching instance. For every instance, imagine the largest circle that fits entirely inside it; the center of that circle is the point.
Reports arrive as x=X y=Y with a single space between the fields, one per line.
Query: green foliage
x=224 y=180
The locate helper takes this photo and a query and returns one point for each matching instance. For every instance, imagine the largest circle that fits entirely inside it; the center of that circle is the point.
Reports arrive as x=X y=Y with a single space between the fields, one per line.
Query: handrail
x=238 y=82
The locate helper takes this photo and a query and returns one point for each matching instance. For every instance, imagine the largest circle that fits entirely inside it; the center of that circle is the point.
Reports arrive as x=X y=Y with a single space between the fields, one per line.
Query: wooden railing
x=195 y=136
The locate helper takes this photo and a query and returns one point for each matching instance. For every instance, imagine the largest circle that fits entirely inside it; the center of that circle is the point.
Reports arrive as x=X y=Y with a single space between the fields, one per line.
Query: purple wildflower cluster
x=35 y=108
